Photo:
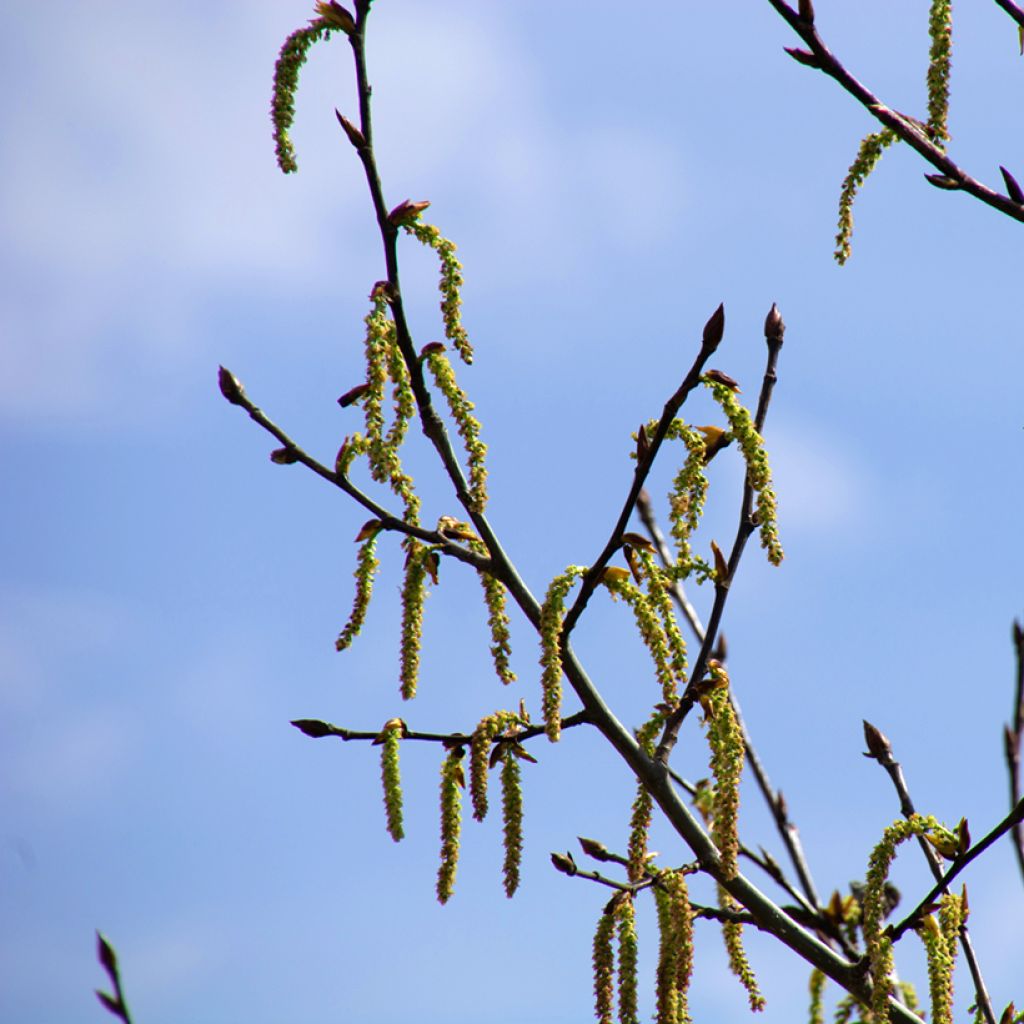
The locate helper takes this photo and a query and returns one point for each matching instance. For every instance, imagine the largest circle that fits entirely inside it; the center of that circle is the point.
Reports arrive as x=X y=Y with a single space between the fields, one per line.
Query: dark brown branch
x=1015 y=12
x=880 y=750
x=913 y=919
x=387 y=520
x=819 y=56
x=1012 y=741
x=317 y=729
x=743 y=531
x=712 y=336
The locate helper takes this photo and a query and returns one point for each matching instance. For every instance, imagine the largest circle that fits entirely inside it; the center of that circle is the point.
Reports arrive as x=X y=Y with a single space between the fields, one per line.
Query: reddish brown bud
x=721 y=565
x=773 y=325
x=406 y=212
x=367 y=530
x=941 y=181
x=1013 y=190
x=642 y=444
x=353 y=395
x=313 y=727
x=106 y=955
x=879 y=747
x=637 y=540
x=804 y=57
x=430 y=348
x=284 y=456
x=355 y=136
x=714 y=328
x=230 y=387
x=722 y=378
x=806 y=10
x=564 y=863
x=592 y=848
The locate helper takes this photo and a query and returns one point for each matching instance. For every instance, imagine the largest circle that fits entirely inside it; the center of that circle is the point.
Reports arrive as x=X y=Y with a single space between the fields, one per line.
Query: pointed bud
x=336 y=16
x=714 y=328
x=781 y=807
x=631 y=561
x=642 y=444
x=804 y=57
x=879 y=747
x=106 y=955
x=341 y=457
x=313 y=727
x=613 y=574
x=1013 y=190
x=806 y=10
x=353 y=395
x=773 y=325
x=230 y=387
x=1018 y=633
x=430 y=348
x=1008 y=1015
x=638 y=540
x=112 y=1004
x=406 y=212
x=432 y=563
x=941 y=181
x=721 y=565
x=368 y=529
x=355 y=136
x=964 y=836
x=523 y=754
x=564 y=863
x=592 y=848
x=722 y=378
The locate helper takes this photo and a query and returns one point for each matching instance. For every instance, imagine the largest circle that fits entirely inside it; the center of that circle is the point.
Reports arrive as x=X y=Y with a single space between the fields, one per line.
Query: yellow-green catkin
x=366 y=568
x=552 y=613
x=604 y=964
x=450 y=285
x=675 y=949
x=392 y=779
x=870 y=152
x=726 y=763
x=497 y=622
x=759 y=474
x=452 y=782
x=512 y=819
x=404 y=399
x=816 y=986
x=479 y=757
x=878 y=944
x=625 y=916
x=940 y=32
x=414 y=593
x=732 y=933
x=286 y=82
x=649 y=625
x=658 y=594
x=466 y=423
x=688 y=494
x=643 y=805
x=940 y=936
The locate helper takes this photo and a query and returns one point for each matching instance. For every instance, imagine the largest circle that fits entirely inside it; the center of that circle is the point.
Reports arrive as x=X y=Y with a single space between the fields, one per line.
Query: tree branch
x=1012 y=738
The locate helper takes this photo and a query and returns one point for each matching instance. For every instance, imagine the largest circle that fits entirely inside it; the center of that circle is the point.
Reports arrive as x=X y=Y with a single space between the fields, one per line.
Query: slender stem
x=1015 y=12
x=1012 y=737
x=904 y=128
x=882 y=753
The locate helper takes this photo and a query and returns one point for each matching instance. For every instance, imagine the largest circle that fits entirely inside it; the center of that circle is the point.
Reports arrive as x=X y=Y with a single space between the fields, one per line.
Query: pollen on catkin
x=604 y=964
x=940 y=936
x=940 y=32
x=759 y=474
x=452 y=782
x=658 y=594
x=551 y=615
x=391 y=777
x=726 y=763
x=366 y=568
x=466 y=423
x=497 y=622
x=625 y=916
x=870 y=152
x=480 y=745
x=649 y=625
x=878 y=944
x=414 y=594
x=732 y=933
x=449 y=286
x=675 y=948
x=286 y=82
x=816 y=986
x=512 y=819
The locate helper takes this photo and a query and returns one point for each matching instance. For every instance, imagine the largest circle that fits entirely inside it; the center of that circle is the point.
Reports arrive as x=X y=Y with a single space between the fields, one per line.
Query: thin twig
x=1012 y=741
x=743 y=531
x=905 y=129
x=881 y=751
x=1015 y=12
x=913 y=919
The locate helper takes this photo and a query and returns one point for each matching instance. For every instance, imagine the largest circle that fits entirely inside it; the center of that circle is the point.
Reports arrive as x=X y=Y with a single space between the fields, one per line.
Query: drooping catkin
x=452 y=783
x=390 y=738
x=512 y=819
x=551 y=615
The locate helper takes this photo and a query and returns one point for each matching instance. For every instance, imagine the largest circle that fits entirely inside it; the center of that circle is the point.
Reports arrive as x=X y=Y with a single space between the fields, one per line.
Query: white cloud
x=140 y=179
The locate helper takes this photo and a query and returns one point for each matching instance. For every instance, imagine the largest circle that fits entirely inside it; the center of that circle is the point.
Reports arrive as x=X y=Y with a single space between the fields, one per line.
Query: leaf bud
x=313 y=727
x=335 y=16
x=879 y=747
x=773 y=325
x=714 y=328
x=1013 y=190
x=941 y=181
x=230 y=387
x=804 y=57
x=564 y=863
x=805 y=8
x=353 y=395
x=105 y=954
x=592 y=848
x=722 y=378
x=355 y=136
x=406 y=212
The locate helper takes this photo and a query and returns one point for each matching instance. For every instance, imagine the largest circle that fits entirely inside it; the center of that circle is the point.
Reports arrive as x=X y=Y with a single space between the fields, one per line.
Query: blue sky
x=170 y=598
